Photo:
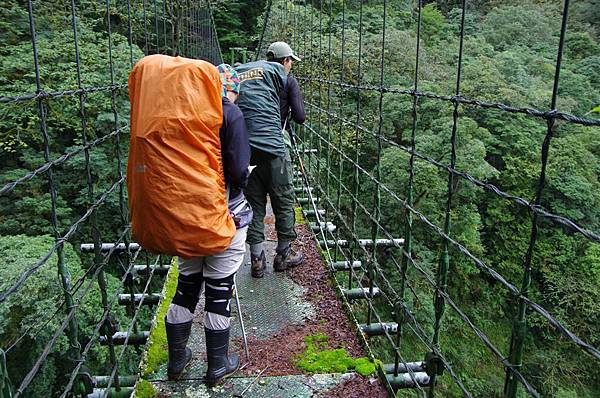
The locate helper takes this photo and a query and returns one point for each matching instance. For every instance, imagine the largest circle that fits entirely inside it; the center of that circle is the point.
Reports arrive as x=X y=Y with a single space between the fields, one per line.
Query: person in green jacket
x=261 y=85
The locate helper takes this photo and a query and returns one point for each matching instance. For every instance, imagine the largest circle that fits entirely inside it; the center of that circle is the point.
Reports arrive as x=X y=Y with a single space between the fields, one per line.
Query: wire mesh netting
x=412 y=212
x=75 y=323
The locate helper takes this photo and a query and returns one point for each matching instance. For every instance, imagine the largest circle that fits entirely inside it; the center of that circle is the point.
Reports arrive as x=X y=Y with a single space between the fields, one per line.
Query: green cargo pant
x=272 y=177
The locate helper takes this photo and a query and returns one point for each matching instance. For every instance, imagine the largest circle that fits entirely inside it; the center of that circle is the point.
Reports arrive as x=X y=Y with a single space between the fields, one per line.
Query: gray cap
x=281 y=49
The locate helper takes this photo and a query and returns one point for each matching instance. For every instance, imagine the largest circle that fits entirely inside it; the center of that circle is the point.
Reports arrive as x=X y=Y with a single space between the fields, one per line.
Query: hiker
x=261 y=85
x=215 y=274
x=190 y=157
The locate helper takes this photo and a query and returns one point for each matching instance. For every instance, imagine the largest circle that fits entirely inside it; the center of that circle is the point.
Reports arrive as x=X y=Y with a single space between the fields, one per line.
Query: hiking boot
x=179 y=354
x=259 y=264
x=221 y=363
x=287 y=258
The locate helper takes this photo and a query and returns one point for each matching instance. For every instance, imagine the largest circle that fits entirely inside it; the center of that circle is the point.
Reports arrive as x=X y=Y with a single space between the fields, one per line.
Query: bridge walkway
x=279 y=312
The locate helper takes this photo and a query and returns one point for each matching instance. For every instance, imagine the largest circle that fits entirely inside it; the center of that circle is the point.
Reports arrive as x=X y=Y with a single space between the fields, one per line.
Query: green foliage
x=528 y=26
x=156 y=353
x=19 y=122
x=298 y=215
x=364 y=367
x=27 y=209
x=433 y=22
x=145 y=389
x=317 y=358
x=234 y=30
x=33 y=313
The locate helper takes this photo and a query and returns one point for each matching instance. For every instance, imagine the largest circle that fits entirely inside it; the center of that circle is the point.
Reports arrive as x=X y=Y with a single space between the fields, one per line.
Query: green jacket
x=261 y=82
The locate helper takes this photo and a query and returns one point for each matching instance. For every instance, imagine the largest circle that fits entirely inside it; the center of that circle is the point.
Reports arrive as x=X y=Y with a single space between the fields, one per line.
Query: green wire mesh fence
x=364 y=183
x=70 y=109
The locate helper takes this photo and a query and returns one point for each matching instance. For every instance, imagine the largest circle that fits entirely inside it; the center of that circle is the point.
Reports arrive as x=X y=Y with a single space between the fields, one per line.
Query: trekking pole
x=239 y=310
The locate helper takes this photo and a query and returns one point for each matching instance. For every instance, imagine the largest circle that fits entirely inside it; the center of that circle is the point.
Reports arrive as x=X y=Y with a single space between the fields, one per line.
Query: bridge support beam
x=361 y=292
x=379 y=328
x=106 y=247
x=332 y=243
x=311 y=213
x=407 y=380
x=364 y=243
x=328 y=226
x=124 y=381
x=142 y=269
x=120 y=337
x=303 y=190
x=345 y=265
x=418 y=366
x=149 y=299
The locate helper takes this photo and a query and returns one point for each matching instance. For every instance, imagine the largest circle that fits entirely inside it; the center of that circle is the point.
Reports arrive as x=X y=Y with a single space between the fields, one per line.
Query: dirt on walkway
x=278 y=353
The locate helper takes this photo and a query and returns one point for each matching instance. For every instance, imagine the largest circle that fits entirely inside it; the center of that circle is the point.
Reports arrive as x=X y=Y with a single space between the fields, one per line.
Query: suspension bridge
x=362 y=283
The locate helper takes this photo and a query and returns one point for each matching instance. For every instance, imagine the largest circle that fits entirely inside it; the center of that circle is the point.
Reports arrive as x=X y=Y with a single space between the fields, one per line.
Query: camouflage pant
x=274 y=178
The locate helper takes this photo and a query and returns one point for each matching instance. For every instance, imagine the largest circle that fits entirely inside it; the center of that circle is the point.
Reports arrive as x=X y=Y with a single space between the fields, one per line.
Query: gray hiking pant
x=217 y=266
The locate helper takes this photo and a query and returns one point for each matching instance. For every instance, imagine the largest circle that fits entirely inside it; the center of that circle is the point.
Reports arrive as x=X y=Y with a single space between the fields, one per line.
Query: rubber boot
x=221 y=363
x=179 y=354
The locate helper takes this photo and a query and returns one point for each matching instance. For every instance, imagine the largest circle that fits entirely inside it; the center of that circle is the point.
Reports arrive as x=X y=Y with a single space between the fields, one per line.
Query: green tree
x=30 y=316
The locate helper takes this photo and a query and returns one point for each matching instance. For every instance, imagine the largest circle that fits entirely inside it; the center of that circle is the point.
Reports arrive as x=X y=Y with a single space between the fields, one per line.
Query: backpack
x=176 y=188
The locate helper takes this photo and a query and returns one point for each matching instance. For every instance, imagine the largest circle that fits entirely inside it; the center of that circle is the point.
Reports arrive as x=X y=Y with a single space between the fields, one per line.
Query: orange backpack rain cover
x=177 y=197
